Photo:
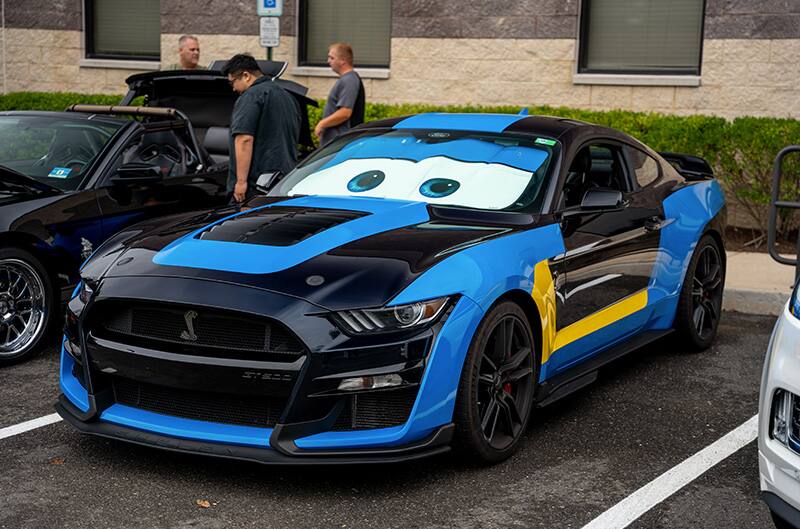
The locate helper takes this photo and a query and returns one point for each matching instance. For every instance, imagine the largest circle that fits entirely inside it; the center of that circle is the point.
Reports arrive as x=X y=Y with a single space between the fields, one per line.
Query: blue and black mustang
x=419 y=284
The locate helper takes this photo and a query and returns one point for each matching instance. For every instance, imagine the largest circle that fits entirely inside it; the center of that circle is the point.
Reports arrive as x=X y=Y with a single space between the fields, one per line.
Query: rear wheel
x=497 y=385
x=27 y=305
x=700 y=304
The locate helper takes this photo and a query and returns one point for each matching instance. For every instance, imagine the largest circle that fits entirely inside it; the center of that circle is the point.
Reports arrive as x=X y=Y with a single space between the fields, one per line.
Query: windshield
x=54 y=150
x=474 y=170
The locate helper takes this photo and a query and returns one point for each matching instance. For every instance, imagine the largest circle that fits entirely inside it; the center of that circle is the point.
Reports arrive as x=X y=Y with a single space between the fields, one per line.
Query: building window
x=120 y=29
x=641 y=37
x=364 y=24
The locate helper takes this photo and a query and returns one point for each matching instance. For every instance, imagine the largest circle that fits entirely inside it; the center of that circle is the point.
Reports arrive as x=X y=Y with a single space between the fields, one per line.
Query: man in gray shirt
x=265 y=127
x=344 y=108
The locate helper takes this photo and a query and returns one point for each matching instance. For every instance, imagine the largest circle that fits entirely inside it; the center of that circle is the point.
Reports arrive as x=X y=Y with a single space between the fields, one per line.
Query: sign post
x=269 y=11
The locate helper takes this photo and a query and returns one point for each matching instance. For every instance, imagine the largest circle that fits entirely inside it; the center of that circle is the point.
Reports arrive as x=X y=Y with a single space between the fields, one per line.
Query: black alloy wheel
x=497 y=386
x=707 y=292
x=700 y=303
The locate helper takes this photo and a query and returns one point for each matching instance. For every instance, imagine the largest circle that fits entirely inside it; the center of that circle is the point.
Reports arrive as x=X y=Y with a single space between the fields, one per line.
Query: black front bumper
x=782 y=509
x=436 y=443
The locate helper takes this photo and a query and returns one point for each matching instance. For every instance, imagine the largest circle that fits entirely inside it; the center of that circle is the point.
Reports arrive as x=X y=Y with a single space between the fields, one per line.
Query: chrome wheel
x=504 y=383
x=707 y=292
x=23 y=308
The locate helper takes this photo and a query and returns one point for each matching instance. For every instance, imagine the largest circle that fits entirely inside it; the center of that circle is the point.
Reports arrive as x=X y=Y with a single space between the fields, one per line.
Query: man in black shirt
x=265 y=127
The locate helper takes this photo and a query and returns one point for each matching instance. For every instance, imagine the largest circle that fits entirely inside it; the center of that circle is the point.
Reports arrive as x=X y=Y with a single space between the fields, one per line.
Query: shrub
x=741 y=151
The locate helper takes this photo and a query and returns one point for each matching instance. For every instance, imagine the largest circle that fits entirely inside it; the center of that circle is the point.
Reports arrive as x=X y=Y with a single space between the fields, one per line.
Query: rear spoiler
x=690 y=167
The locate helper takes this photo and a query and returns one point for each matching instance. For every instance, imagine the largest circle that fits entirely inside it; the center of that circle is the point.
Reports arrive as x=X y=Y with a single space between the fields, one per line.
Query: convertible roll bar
x=128 y=110
x=162 y=112
x=774 y=205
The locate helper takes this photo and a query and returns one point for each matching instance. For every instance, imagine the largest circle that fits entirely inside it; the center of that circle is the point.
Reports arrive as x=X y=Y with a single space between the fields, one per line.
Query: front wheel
x=495 y=393
x=700 y=303
x=26 y=305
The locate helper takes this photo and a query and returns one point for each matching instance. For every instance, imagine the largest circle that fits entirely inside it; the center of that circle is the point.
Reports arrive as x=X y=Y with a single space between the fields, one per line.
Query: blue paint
x=475 y=122
x=186 y=428
x=486 y=271
x=70 y=385
x=687 y=213
x=385 y=215
x=406 y=147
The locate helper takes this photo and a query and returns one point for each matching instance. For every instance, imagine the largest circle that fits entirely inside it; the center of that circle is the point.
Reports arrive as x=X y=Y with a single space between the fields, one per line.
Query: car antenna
x=523 y=112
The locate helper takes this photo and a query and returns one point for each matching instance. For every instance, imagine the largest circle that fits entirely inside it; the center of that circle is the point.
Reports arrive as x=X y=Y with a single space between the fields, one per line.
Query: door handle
x=652 y=224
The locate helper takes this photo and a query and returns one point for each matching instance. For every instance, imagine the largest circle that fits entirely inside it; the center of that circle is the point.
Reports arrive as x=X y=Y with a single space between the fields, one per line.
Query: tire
x=497 y=385
x=700 y=302
x=27 y=305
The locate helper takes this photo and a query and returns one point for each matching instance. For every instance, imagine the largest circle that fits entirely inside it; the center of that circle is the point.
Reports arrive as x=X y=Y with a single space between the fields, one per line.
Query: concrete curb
x=754 y=301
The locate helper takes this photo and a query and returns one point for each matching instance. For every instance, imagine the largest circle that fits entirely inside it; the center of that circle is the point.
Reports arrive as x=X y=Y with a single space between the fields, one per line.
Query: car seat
x=161 y=148
x=216 y=144
x=577 y=180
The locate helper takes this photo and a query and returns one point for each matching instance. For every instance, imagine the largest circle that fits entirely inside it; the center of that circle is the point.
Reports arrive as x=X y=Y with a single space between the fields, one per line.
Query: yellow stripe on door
x=544 y=296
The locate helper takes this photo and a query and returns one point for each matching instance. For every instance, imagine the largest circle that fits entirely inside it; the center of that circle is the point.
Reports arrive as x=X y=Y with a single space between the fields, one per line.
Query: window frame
x=583 y=47
x=88 y=43
x=302 y=43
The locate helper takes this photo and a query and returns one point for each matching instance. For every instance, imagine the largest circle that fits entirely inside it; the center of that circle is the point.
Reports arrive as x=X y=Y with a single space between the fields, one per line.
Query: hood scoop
x=277 y=225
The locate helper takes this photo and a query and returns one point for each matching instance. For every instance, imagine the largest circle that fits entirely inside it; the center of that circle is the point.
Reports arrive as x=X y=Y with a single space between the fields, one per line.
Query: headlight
x=385 y=319
x=794 y=303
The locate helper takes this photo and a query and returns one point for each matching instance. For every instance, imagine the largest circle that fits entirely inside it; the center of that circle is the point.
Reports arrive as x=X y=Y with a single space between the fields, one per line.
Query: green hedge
x=742 y=150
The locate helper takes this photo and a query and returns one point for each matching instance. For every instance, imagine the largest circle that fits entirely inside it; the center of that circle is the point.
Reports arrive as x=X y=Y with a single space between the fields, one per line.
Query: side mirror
x=600 y=199
x=137 y=173
x=267 y=181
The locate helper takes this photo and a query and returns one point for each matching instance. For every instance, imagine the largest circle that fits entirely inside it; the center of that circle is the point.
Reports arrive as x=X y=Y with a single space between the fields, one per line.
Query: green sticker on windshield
x=545 y=141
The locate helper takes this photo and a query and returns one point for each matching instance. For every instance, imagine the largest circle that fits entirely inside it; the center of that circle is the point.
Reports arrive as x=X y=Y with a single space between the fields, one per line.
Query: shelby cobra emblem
x=189 y=334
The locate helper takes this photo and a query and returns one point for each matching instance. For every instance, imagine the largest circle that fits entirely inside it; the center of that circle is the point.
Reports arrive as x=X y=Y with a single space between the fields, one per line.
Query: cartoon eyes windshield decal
x=438 y=187
x=365 y=181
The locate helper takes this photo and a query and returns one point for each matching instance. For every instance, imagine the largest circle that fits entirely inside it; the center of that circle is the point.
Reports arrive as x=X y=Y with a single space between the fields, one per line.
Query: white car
x=779 y=419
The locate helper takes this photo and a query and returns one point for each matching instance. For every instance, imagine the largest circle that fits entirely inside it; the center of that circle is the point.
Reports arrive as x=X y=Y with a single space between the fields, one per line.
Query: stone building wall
x=520 y=52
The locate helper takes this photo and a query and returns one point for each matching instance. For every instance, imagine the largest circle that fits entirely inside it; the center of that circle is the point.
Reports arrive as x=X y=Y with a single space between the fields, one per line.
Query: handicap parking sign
x=59 y=172
x=270 y=8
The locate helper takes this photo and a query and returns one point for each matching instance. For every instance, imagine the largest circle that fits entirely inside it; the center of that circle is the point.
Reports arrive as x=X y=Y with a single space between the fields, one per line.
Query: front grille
x=380 y=409
x=207 y=406
x=795 y=427
x=213 y=332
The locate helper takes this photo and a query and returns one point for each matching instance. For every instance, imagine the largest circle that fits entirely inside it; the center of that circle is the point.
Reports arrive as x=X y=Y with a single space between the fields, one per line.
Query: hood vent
x=278 y=225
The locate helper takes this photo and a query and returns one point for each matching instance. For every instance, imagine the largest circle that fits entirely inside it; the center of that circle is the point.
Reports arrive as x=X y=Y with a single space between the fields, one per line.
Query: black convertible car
x=69 y=180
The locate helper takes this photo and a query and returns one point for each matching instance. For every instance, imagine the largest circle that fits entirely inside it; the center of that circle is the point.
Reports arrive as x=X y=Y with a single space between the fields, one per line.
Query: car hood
x=335 y=252
x=14 y=182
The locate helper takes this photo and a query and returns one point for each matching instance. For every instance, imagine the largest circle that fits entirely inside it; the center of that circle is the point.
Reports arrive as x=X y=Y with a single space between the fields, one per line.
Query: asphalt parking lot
x=581 y=456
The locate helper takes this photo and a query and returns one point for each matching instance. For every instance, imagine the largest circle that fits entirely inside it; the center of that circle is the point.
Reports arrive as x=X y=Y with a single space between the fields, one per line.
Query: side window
x=594 y=166
x=645 y=168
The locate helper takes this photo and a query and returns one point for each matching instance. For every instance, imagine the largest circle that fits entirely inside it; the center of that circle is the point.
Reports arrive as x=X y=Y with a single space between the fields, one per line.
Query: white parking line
x=631 y=508
x=26 y=426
